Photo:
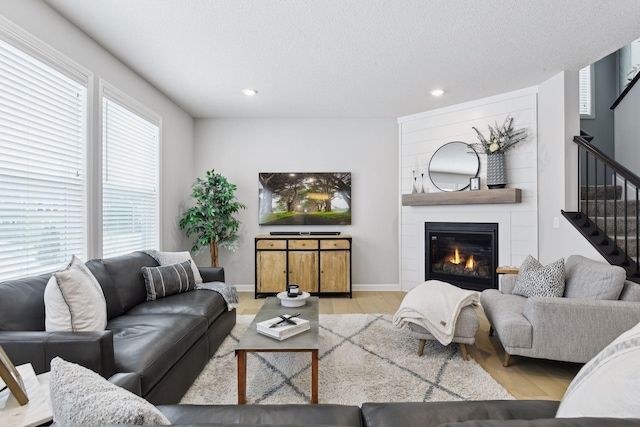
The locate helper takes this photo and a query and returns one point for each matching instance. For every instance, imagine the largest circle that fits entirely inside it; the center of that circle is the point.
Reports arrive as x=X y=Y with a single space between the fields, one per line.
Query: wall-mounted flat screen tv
x=305 y=198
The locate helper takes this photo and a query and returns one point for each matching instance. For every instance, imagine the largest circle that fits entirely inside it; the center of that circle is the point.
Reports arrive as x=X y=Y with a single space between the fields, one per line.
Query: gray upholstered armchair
x=573 y=328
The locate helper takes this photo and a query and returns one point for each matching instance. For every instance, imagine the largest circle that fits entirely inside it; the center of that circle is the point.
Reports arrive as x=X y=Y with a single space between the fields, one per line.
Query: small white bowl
x=298 y=301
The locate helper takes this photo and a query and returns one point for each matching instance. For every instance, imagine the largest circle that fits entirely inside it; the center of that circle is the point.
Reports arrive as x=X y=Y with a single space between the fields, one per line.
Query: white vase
x=496 y=171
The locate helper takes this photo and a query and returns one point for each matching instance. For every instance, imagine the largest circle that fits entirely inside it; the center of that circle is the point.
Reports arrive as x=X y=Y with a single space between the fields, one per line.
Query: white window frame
x=109 y=91
x=592 y=94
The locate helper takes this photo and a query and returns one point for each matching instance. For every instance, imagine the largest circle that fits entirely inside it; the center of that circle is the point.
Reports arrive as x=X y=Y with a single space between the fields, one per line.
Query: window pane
x=586 y=89
x=42 y=176
x=129 y=182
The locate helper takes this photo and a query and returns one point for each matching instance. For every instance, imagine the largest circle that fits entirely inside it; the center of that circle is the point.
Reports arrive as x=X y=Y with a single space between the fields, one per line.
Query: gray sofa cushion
x=322 y=414
x=431 y=414
x=588 y=279
x=204 y=303
x=126 y=273
x=548 y=422
x=630 y=291
x=22 y=303
x=114 y=305
x=505 y=313
x=151 y=344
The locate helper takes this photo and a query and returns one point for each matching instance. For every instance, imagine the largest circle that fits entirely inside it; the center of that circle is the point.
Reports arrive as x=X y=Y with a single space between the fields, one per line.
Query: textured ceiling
x=356 y=58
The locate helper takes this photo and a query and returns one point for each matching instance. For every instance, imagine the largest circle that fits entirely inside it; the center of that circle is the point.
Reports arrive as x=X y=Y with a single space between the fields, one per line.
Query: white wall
x=177 y=174
x=422 y=134
x=241 y=148
x=558 y=123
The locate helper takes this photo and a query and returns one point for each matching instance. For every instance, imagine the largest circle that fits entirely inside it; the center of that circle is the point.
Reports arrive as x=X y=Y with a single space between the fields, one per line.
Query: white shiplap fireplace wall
x=422 y=134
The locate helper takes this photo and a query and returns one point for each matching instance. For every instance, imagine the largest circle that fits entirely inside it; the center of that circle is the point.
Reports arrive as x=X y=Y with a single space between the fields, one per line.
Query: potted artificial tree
x=211 y=220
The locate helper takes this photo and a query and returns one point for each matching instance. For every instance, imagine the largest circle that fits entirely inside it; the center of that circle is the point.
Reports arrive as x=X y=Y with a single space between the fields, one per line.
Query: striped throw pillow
x=168 y=280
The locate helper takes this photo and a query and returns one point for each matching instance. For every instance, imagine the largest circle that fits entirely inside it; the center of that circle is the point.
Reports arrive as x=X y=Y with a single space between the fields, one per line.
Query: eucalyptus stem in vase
x=501 y=139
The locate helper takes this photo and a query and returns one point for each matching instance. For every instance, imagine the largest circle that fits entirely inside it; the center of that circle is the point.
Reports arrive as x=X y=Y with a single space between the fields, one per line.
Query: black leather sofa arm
x=93 y=350
x=127 y=380
x=212 y=274
x=550 y=422
x=432 y=414
x=323 y=414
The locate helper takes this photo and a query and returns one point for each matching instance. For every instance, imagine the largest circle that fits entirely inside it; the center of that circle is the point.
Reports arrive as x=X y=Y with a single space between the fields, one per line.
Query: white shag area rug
x=362 y=358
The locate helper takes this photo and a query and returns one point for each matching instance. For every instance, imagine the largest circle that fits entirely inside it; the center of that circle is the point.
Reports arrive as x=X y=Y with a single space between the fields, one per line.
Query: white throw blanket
x=435 y=306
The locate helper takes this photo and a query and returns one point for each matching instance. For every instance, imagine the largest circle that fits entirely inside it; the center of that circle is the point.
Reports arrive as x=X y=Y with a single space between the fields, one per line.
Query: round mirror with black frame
x=452 y=165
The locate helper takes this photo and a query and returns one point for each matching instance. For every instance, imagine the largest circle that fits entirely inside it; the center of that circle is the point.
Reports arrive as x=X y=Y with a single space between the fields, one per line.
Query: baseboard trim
x=382 y=287
x=377 y=287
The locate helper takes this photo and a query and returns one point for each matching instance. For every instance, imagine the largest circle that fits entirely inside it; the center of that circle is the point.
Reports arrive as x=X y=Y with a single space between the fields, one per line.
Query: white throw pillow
x=80 y=397
x=74 y=301
x=169 y=258
x=609 y=384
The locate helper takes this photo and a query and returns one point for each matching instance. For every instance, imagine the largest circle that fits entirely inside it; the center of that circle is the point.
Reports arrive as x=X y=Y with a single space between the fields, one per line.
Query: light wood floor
x=526 y=378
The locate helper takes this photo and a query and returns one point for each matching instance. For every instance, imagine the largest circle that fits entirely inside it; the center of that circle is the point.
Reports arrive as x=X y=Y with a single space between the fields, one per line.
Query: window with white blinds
x=130 y=179
x=586 y=93
x=42 y=173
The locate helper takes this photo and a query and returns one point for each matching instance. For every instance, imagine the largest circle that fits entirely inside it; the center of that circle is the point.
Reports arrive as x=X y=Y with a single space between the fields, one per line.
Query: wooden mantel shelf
x=478 y=197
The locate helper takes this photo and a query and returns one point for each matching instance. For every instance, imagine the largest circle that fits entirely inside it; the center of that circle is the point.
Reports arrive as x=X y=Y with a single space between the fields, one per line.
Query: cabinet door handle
x=271 y=244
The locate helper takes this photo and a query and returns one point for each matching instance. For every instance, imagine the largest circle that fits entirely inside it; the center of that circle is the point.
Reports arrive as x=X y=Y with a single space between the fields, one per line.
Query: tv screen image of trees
x=305 y=198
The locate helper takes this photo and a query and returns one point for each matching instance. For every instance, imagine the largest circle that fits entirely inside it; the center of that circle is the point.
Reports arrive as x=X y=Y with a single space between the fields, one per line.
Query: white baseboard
x=356 y=287
x=376 y=287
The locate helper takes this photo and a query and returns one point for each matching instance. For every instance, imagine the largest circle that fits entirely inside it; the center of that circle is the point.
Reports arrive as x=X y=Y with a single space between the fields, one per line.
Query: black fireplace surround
x=463 y=254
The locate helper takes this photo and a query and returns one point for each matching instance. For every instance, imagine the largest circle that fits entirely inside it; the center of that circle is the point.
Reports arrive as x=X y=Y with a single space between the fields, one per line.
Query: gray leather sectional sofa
x=166 y=342
x=497 y=413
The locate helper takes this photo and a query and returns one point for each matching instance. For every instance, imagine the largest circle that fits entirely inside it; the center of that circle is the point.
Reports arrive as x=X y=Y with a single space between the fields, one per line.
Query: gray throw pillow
x=168 y=258
x=80 y=397
x=536 y=280
x=168 y=280
x=589 y=279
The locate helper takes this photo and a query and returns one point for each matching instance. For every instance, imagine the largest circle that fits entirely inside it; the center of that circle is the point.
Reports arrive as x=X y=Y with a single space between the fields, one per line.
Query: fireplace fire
x=464 y=254
x=464 y=264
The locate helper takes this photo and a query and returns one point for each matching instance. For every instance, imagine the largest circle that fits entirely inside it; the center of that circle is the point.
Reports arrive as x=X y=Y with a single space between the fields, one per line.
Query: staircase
x=608 y=207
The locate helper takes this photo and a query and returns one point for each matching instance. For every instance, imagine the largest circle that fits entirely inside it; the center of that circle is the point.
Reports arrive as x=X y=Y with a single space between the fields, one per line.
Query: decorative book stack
x=283 y=331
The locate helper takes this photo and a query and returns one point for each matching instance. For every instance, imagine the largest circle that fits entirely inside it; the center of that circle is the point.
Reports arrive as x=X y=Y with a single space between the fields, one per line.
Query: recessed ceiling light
x=250 y=92
x=437 y=92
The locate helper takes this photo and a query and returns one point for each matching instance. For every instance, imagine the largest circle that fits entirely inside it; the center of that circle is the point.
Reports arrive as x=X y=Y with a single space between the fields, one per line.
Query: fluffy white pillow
x=169 y=258
x=80 y=397
x=74 y=301
x=609 y=384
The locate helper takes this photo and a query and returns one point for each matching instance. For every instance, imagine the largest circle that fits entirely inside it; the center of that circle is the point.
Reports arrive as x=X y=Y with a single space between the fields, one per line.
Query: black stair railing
x=606 y=216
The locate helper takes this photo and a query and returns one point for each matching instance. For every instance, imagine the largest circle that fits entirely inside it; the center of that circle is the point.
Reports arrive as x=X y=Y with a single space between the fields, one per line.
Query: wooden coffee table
x=253 y=342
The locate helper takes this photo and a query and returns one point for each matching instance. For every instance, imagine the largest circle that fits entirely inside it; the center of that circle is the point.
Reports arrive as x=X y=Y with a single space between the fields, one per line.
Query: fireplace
x=463 y=254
